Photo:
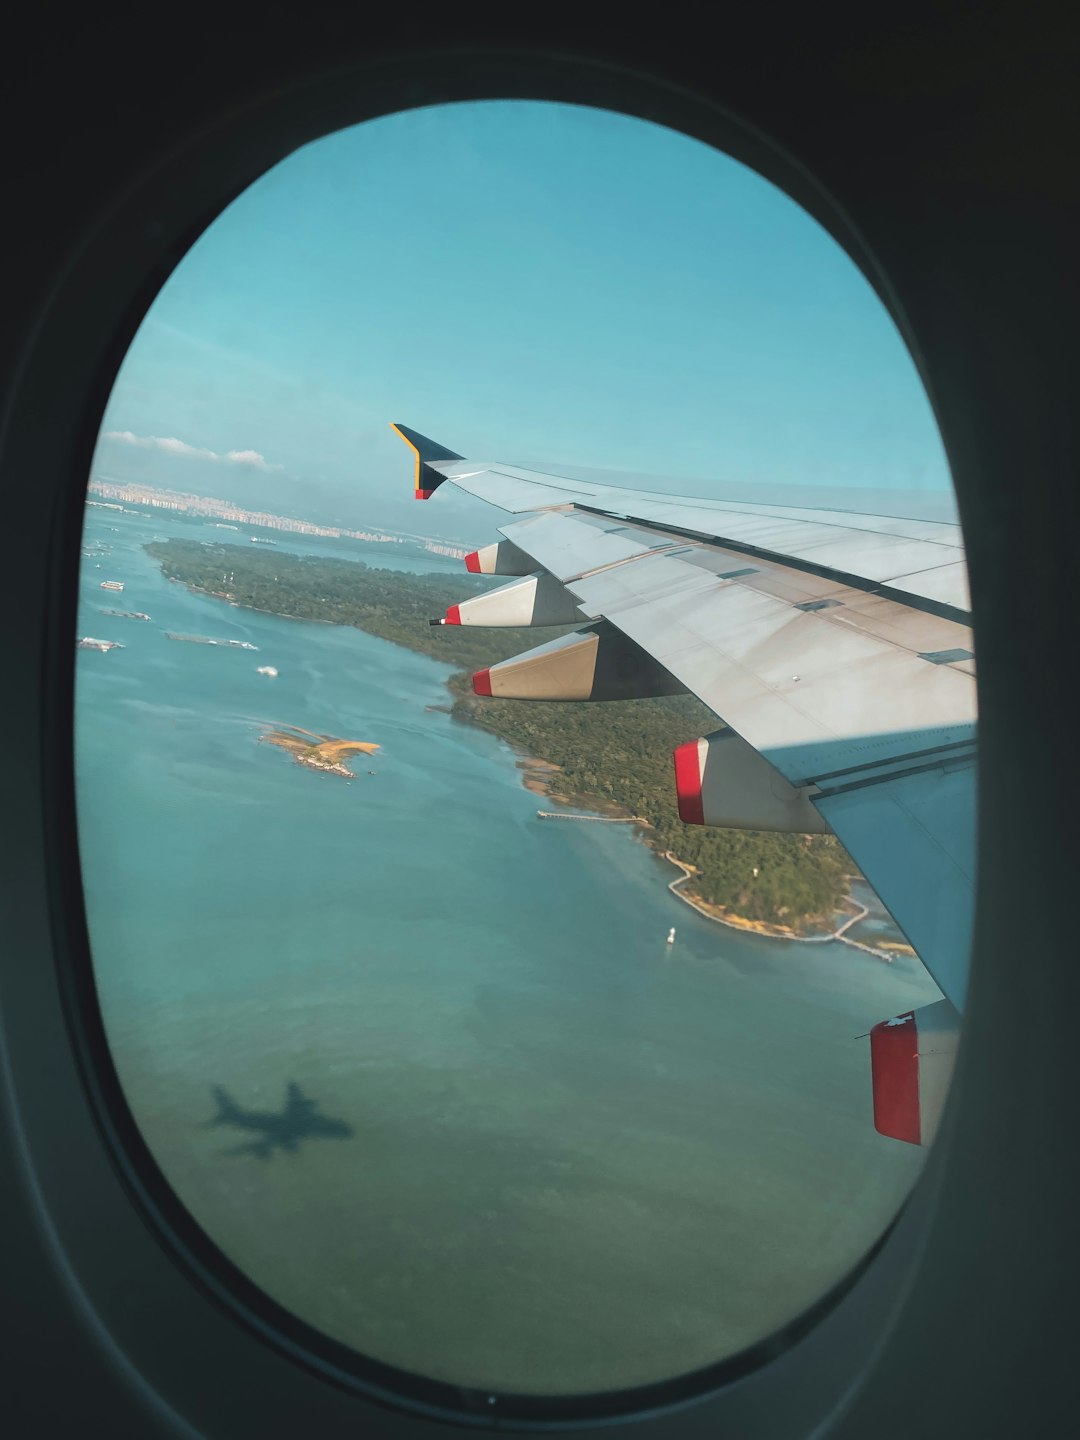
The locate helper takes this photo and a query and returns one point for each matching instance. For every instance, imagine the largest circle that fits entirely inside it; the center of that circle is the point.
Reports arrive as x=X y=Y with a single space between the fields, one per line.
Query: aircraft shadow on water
x=285 y=1129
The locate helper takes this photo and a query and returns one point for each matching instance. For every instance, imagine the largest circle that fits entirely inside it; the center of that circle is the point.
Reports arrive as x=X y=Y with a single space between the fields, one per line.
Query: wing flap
x=812 y=694
x=569 y=548
x=817 y=685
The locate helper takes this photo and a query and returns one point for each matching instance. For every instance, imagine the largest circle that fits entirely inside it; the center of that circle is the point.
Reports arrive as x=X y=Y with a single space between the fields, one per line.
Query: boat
x=266 y=670
x=112 y=585
x=671 y=936
x=87 y=642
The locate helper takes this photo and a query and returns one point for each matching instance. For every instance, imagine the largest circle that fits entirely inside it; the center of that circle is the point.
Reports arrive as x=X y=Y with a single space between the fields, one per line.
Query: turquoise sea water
x=579 y=1158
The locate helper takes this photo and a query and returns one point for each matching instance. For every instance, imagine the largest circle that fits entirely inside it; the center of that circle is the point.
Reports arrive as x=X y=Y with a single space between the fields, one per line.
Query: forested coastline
x=618 y=752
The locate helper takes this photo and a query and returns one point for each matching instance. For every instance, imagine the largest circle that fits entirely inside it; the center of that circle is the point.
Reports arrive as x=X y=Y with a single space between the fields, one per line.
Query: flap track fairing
x=722 y=780
x=597 y=663
x=911 y=1060
x=536 y=600
x=502 y=558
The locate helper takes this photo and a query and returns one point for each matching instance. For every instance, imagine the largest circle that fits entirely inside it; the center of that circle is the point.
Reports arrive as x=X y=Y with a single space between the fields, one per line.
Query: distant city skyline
x=521 y=281
x=116 y=495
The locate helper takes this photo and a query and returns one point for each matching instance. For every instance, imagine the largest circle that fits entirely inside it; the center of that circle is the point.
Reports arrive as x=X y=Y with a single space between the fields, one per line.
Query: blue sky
x=521 y=281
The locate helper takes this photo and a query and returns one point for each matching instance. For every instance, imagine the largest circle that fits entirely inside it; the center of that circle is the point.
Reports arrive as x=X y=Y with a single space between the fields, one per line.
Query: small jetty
x=597 y=819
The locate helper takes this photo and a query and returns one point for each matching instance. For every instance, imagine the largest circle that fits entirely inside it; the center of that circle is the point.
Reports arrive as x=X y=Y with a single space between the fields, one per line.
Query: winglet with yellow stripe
x=427 y=480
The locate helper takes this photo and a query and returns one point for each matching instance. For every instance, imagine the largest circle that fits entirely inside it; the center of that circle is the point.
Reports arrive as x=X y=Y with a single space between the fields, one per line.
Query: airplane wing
x=835 y=646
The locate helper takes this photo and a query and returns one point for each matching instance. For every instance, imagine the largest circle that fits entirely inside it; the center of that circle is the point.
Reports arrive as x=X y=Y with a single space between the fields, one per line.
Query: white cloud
x=173 y=446
x=127 y=438
x=180 y=447
x=168 y=443
x=250 y=457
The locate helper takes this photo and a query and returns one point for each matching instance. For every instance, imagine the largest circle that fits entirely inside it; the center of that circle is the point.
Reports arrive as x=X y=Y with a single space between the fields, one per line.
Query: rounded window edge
x=147 y=1188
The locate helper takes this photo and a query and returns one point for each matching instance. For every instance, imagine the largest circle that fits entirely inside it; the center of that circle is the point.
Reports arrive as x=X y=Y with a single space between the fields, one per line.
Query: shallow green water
x=580 y=1158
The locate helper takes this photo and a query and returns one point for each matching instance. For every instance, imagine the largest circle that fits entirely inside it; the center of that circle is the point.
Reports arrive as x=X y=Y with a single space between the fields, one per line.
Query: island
x=613 y=756
x=318 y=752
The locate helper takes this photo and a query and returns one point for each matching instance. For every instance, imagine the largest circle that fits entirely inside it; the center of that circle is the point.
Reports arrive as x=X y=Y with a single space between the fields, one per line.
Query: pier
x=598 y=819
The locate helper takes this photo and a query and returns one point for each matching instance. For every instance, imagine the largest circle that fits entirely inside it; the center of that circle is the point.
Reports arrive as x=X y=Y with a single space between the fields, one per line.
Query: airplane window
x=482 y=1035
